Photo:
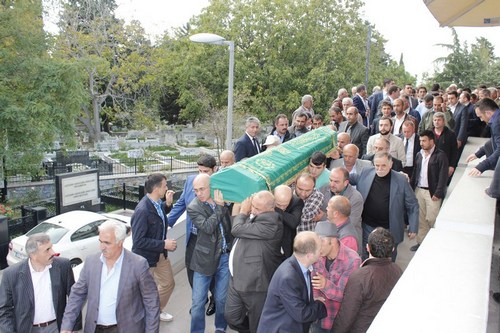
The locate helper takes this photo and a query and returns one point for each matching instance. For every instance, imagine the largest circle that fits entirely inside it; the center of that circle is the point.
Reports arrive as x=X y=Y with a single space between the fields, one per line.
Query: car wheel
x=75 y=262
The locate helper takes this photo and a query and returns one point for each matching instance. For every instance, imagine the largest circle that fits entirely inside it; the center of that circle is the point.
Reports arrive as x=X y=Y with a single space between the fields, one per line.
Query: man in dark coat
x=255 y=257
x=289 y=207
x=33 y=292
x=429 y=182
x=289 y=305
x=210 y=259
x=369 y=286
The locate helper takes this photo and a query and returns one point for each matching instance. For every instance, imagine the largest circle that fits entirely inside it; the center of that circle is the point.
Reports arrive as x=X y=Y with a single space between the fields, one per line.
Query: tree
x=39 y=95
x=467 y=67
x=284 y=49
x=113 y=58
x=484 y=62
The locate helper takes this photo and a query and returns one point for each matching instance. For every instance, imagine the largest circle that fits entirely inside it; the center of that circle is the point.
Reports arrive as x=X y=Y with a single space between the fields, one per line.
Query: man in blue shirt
x=149 y=233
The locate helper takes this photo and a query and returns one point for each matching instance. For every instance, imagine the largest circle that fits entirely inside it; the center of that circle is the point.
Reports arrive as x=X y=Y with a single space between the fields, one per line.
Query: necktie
x=307 y=275
x=406 y=146
x=256 y=145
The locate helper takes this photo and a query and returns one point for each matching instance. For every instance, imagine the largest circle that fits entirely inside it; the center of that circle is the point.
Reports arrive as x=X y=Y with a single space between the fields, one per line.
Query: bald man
x=255 y=256
x=226 y=159
x=210 y=258
x=338 y=212
x=289 y=207
x=343 y=139
x=311 y=213
x=350 y=161
x=339 y=185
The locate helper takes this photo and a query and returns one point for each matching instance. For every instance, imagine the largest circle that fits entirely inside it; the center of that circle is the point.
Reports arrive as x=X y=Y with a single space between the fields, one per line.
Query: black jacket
x=148 y=233
x=207 y=250
x=397 y=165
x=447 y=142
x=437 y=173
x=291 y=219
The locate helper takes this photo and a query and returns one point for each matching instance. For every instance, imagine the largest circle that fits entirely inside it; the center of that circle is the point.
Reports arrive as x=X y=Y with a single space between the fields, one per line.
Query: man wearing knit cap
x=331 y=272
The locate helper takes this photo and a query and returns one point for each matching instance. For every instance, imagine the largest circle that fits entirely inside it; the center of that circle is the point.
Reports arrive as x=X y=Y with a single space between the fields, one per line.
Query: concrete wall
x=445 y=288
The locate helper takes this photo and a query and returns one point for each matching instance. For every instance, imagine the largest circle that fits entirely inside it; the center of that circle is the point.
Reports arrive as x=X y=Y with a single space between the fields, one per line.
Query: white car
x=74 y=235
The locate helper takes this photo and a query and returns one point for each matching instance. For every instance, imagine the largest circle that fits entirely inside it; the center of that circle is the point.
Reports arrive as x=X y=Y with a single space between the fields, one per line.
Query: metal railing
x=106 y=166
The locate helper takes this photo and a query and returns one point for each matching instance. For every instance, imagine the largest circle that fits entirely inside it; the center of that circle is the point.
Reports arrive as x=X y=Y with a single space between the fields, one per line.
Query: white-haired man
x=120 y=291
x=248 y=145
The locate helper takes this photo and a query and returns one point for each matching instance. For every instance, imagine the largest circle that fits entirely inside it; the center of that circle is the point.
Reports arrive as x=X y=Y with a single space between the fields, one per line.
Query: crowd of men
x=317 y=255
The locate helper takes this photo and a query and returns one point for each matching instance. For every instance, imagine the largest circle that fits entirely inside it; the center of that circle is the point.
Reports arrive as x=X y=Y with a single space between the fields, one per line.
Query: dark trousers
x=113 y=329
x=243 y=309
x=408 y=171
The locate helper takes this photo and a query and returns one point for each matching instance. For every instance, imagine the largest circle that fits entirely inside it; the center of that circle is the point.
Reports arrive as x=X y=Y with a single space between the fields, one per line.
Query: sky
x=407 y=25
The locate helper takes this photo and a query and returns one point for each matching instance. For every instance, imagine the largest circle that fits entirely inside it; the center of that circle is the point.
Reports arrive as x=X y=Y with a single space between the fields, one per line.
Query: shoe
x=496 y=297
x=166 y=316
x=211 y=307
x=414 y=247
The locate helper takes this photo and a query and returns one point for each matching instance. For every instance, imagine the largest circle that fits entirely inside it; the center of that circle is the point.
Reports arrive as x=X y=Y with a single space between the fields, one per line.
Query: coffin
x=274 y=167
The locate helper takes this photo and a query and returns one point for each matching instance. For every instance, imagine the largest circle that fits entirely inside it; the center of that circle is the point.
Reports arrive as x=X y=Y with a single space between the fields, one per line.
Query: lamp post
x=368 y=47
x=208 y=38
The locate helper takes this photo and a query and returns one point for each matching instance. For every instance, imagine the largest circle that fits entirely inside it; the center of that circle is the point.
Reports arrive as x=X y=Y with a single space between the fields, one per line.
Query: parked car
x=74 y=235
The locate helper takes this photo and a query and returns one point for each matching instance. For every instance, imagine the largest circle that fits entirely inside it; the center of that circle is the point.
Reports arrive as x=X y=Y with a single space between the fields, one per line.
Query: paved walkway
x=180 y=301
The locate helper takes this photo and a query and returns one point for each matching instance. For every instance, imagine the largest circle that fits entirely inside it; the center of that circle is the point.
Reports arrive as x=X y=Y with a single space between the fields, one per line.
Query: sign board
x=77 y=190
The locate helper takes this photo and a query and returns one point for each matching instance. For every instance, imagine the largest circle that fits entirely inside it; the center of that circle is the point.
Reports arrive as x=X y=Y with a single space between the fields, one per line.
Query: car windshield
x=55 y=231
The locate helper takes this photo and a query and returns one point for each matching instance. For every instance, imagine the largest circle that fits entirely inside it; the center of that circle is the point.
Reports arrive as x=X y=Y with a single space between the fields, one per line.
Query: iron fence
x=106 y=166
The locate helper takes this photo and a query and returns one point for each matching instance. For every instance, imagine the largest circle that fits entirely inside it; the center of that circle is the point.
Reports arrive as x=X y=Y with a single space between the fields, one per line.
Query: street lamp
x=208 y=38
x=368 y=47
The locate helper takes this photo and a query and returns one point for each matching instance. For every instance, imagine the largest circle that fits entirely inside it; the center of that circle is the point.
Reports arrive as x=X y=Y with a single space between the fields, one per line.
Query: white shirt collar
x=32 y=269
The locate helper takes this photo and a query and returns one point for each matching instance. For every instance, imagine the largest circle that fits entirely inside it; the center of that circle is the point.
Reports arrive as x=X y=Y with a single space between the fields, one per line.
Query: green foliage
x=160 y=148
x=39 y=96
x=115 y=61
x=203 y=143
x=284 y=49
x=467 y=66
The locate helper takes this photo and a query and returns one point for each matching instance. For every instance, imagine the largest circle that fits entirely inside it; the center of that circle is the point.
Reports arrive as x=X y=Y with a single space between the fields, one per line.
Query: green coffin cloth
x=273 y=167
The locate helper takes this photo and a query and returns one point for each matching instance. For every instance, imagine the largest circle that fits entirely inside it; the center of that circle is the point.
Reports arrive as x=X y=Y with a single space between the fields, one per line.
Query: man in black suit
x=375 y=99
x=359 y=134
x=461 y=117
x=248 y=145
x=474 y=125
x=411 y=142
x=289 y=305
x=33 y=292
x=408 y=90
x=289 y=207
x=255 y=256
x=361 y=103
